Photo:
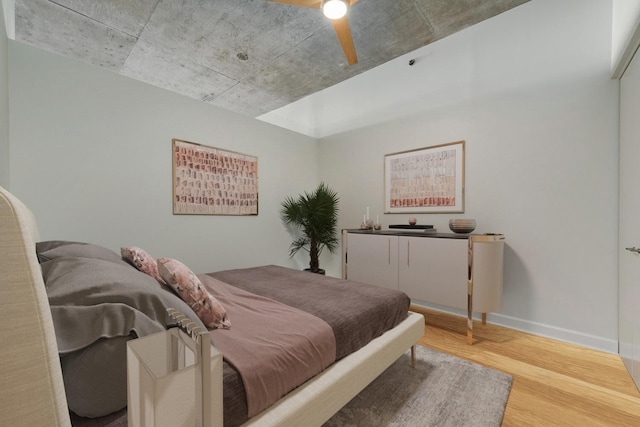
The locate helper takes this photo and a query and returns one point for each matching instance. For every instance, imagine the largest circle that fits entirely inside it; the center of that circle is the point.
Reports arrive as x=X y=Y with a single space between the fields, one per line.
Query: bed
x=34 y=393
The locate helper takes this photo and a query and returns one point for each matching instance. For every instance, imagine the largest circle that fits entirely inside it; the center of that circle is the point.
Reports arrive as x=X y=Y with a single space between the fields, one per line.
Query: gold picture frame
x=425 y=180
x=213 y=181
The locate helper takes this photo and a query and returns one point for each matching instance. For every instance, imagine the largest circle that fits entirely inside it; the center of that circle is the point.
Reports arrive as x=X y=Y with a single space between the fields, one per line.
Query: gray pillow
x=51 y=244
x=49 y=250
x=92 y=298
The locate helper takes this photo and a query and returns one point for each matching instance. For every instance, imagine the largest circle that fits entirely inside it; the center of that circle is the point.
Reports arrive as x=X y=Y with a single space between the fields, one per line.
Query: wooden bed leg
x=413 y=356
x=484 y=318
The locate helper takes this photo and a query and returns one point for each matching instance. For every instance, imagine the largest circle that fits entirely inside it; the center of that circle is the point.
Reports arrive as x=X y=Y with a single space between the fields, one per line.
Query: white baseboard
x=535 y=328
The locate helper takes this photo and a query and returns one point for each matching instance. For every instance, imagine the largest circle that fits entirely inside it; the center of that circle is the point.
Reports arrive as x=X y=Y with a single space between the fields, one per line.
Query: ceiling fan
x=336 y=10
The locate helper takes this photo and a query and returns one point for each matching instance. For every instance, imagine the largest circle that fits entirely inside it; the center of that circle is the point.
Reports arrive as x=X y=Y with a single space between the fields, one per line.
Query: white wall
x=539 y=114
x=91 y=156
x=4 y=104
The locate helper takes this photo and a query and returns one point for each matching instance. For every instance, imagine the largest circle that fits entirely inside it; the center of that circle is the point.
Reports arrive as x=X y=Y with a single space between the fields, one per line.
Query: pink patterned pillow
x=141 y=260
x=191 y=290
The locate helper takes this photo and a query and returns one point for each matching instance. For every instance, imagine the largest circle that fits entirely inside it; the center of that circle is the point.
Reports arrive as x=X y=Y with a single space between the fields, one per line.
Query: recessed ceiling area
x=247 y=56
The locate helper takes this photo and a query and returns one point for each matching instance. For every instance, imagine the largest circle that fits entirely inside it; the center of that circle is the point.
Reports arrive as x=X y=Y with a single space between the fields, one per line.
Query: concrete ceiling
x=247 y=56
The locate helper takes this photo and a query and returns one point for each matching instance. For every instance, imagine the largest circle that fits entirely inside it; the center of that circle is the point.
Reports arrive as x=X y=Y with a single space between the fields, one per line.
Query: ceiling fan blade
x=341 y=26
x=346 y=41
x=316 y=4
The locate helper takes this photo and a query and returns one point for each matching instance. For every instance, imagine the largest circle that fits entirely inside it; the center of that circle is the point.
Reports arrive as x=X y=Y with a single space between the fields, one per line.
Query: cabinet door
x=373 y=259
x=434 y=270
x=629 y=226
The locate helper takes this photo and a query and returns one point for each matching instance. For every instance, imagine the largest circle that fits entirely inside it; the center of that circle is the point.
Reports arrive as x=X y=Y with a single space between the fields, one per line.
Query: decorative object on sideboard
x=413 y=221
x=412 y=226
x=377 y=225
x=315 y=214
x=367 y=222
x=462 y=225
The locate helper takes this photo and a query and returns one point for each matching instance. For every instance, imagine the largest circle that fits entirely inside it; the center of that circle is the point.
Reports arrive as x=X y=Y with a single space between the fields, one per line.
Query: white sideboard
x=453 y=270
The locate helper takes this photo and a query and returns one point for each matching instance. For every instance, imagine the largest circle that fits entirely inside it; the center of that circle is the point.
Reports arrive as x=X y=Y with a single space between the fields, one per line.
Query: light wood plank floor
x=555 y=383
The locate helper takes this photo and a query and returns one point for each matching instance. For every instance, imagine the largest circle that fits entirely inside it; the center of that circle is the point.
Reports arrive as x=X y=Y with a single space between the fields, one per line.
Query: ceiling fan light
x=334 y=9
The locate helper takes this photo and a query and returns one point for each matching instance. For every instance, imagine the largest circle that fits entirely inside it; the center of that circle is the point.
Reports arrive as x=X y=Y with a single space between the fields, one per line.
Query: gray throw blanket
x=274 y=347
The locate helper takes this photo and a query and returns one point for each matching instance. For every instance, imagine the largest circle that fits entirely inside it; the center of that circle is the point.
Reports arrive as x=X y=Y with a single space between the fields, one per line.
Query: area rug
x=441 y=391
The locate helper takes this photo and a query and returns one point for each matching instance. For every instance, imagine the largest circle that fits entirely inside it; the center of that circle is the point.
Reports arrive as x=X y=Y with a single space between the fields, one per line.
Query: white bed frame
x=32 y=391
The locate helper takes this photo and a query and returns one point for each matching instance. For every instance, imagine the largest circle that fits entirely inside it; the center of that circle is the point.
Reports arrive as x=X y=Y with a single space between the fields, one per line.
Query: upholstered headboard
x=32 y=390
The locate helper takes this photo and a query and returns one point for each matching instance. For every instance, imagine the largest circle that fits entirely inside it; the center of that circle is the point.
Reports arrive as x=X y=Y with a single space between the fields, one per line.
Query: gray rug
x=442 y=390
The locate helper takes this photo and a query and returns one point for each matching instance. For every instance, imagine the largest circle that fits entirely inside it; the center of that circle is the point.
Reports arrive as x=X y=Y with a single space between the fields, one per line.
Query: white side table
x=174 y=378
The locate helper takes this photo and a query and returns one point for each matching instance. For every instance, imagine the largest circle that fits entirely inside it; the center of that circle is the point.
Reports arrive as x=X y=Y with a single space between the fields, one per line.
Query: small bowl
x=462 y=225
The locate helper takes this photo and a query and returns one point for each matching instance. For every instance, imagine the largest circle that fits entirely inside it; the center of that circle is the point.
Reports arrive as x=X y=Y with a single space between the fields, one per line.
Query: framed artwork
x=213 y=181
x=425 y=180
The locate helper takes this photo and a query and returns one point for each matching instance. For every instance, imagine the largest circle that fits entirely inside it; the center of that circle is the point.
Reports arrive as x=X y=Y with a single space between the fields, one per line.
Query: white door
x=373 y=259
x=629 y=223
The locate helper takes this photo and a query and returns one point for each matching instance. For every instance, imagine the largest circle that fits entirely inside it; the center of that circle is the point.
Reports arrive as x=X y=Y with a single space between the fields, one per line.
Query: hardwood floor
x=555 y=383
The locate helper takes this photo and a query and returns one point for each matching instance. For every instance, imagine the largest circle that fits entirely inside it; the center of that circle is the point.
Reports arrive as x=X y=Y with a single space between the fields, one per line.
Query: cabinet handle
x=633 y=249
x=408 y=251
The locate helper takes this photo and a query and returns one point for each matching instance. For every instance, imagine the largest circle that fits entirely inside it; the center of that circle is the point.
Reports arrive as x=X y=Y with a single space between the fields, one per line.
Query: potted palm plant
x=315 y=214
